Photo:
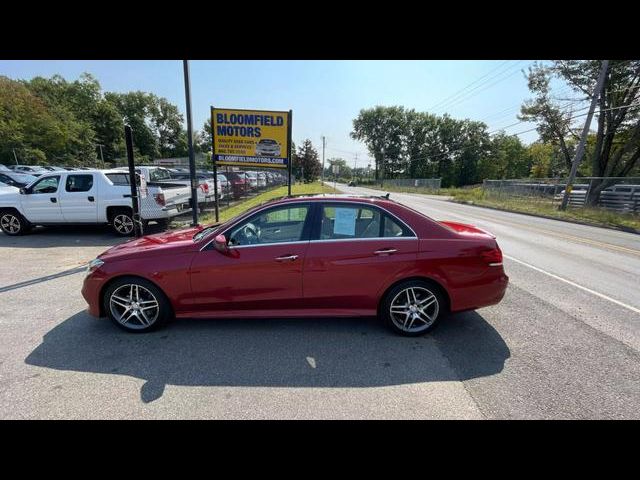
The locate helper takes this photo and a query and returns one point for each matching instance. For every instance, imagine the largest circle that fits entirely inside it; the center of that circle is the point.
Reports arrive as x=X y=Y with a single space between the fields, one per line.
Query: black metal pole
x=192 y=159
x=290 y=159
x=215 y=166
x=137 y=225
x=215 y=188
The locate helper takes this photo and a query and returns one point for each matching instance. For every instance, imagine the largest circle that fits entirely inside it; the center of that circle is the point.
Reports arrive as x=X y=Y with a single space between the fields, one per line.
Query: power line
x=462 y=100
x=443 y=101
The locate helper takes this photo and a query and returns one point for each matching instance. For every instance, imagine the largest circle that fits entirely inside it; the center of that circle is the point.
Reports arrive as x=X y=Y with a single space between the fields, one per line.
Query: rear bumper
x=478 y=296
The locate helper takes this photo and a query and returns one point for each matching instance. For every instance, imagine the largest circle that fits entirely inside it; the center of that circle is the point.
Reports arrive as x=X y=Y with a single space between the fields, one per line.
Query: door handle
x=91 y=199
x=53 y=199
x=284 y=258
x=385 y=251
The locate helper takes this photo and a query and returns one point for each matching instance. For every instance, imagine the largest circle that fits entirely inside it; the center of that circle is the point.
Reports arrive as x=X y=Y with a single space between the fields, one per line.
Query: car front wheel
x=13 y=223
x=412 y=308
x=136 y=305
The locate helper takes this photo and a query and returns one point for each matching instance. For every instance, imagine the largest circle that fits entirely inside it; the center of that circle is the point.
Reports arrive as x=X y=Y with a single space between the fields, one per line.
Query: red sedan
x=320 y=256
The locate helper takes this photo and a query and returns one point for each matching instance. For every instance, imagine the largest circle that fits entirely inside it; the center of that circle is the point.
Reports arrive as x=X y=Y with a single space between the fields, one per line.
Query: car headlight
x=93 y=264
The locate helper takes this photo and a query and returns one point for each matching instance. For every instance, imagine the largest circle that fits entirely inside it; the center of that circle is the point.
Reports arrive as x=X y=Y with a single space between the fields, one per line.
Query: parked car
x=205 y=183
x=5 y=188
x=88 y=197
x=224 y=184
x=262 y=180
x=30 y=169
x=252 y=178
x=3 y=168
x=52 y=168
x=162 y=176
x=239 y=184
x=255 y=265
x=14 y=179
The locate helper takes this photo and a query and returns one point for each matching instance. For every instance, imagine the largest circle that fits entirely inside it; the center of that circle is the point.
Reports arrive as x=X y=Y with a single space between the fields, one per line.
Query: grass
x=243 y=206
x=478 y=196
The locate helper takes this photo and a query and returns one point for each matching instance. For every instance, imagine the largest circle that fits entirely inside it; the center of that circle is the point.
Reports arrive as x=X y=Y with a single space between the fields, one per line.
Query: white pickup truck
x=88 y=197
x=160 y=176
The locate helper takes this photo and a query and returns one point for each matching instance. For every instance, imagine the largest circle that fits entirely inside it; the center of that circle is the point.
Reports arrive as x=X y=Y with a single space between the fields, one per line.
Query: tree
x=30 y=128
x=508 y=158
x=382 y=129
x=345 y=170
x=307 y=161
x=615 y=148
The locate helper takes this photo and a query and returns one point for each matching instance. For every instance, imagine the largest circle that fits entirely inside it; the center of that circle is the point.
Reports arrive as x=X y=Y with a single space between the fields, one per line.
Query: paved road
x=563 y=343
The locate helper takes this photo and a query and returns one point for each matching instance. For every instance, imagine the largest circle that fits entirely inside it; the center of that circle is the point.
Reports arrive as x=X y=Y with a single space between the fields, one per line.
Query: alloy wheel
x=414 y=309
x=10 y=223
x=123 y=224
x=134 y=306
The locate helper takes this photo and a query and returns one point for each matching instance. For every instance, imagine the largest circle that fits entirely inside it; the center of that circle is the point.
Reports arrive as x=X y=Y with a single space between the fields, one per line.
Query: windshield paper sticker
x=345 y=223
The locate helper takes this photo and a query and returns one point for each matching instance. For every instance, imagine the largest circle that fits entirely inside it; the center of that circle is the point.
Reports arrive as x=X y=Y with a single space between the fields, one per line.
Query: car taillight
x=493 y=256
x=159 y=198
x=204 y=187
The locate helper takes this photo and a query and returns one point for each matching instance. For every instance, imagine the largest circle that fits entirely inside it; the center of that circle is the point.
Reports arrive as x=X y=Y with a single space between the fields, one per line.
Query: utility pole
x=585 y=132
x=192 y=159
x=101 y=156
x=355 y=168
x=323 y=145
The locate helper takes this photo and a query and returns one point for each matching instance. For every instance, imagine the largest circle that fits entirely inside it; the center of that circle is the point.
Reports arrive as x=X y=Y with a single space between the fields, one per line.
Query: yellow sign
x=254 y=138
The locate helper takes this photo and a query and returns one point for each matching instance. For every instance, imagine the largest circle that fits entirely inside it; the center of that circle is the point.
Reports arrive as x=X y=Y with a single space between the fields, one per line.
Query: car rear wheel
x=136 y=305
x=412 y=308
x=14 y=224
x=122 y=223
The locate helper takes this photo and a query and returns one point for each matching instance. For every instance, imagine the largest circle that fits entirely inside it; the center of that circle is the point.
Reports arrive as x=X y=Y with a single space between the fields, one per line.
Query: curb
x=578 y=222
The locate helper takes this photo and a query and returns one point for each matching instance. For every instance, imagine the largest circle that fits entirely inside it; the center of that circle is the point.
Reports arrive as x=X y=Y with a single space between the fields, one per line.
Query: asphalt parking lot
x=548 y=350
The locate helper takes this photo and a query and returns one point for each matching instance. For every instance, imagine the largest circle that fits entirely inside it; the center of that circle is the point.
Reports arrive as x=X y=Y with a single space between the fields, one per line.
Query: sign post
x=251 y=138
x=135 y=206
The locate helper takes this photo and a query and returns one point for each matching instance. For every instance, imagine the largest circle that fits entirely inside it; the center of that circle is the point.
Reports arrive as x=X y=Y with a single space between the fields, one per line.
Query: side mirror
x=220 y=243
x=23 y=191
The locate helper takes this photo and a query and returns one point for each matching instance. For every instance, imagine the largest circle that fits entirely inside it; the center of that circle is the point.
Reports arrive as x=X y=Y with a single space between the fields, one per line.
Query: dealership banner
x=250 y=138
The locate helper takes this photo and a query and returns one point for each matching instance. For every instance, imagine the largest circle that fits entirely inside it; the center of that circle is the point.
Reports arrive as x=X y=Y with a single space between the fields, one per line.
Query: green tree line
x=55 y=121
x=410 y=144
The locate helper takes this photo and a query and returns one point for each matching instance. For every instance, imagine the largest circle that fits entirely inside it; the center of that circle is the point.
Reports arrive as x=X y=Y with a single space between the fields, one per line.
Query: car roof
x=324 y=197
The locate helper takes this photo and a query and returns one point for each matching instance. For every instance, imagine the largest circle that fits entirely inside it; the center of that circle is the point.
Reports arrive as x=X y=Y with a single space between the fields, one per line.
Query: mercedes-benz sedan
x=315 y=256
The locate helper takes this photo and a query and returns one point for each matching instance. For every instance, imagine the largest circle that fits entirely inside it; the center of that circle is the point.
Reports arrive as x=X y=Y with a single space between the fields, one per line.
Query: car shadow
x=346 y=352
x=67 y=236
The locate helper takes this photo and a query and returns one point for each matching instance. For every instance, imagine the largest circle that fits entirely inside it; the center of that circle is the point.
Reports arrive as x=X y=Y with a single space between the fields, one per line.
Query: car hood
x=153 y=244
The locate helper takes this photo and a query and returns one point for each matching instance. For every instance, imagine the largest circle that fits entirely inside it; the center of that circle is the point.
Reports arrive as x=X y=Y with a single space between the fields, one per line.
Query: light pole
x=101 y=156
x=192 y=160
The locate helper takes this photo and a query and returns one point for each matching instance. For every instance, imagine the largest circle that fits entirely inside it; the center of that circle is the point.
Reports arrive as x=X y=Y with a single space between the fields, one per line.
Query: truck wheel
x=163 y=224
x=122 y=222
x=14 y=224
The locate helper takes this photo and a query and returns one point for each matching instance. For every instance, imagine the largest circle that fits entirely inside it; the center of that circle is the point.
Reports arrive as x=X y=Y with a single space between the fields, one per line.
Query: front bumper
x=91 y=288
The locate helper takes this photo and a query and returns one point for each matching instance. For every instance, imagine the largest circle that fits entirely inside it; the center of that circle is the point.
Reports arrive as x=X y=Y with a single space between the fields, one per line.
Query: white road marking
x=593 y=292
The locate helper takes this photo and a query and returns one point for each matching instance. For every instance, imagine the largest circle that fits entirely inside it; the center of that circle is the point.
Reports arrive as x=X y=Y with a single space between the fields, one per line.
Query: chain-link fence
x=620 y=194
x=422 y=183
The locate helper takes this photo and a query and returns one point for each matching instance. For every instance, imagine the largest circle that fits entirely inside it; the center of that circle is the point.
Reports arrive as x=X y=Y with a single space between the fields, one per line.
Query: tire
x=13 y=224
x=163 y=223
x=408 y=317
x=122 y=222
x=134 y=295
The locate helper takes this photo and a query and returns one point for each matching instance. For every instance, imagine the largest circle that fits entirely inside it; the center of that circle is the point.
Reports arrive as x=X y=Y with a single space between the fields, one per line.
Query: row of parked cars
x=92 y=196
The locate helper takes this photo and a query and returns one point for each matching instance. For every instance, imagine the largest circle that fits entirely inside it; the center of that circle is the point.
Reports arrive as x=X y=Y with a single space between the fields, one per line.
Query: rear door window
x=79 y=183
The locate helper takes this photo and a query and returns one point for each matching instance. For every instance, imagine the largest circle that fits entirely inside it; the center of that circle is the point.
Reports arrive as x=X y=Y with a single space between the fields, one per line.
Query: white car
x=267 y=147
x=87 y=197
x=4 y=188
x=252 y=178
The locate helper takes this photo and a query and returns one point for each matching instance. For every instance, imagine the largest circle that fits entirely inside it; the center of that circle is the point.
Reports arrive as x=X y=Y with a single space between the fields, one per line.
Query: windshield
x=217 y=227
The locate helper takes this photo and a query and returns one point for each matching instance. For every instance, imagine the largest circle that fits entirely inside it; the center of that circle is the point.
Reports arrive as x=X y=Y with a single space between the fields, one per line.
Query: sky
x=325 y=96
